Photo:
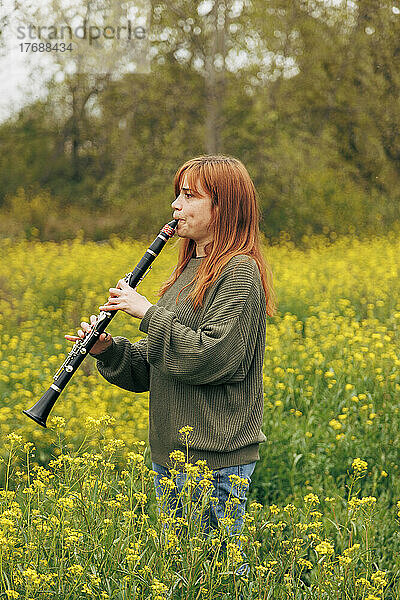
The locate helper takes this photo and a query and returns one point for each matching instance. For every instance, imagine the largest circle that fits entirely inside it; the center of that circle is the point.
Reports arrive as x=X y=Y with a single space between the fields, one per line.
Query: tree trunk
x=214 y=78
x=75 y=137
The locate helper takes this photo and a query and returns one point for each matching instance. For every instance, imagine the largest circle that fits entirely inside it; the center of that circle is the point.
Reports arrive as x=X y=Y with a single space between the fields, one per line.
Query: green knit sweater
x=203 y=367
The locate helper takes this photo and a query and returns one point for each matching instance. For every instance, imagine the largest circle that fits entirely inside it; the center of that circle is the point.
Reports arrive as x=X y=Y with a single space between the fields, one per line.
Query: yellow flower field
x=78 y=516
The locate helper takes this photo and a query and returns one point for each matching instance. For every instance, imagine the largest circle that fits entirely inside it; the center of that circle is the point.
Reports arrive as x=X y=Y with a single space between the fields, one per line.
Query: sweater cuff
x=145 y=322
x=106 y=354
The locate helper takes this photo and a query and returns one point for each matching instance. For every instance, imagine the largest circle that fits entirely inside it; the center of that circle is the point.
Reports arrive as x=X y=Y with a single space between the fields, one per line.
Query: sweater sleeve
x=214 y=353
x=125 y=364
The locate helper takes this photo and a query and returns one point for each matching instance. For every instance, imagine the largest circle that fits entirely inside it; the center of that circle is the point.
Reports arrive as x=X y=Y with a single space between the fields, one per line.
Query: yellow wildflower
x=324 y=547
x=14 y=438
x=177 y=456
x=185 y=430
x=311 y=499
x=359 y=466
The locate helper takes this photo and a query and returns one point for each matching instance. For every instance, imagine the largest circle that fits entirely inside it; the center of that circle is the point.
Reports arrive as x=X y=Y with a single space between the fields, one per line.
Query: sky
x=23 y=74
x=16 y=87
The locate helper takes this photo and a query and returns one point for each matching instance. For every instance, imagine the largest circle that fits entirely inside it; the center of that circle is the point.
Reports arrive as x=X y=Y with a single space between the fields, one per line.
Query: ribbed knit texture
x=203 y=367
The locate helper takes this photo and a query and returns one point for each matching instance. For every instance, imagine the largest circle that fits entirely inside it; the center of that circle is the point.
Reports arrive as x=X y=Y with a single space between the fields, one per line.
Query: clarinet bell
x=41 y=410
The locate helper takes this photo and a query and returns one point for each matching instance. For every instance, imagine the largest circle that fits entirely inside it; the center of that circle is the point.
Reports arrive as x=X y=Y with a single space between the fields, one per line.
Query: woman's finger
x=114 y=291
x=108 y=307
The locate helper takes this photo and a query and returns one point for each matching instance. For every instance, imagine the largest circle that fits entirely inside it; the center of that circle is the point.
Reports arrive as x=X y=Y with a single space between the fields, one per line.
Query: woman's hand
x=104 y=341
x=125 y=298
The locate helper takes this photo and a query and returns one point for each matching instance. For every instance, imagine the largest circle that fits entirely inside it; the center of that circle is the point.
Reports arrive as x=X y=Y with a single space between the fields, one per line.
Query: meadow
x=78 y=514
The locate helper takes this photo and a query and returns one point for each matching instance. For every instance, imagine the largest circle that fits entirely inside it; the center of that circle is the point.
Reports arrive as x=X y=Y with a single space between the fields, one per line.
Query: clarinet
x=40 y=411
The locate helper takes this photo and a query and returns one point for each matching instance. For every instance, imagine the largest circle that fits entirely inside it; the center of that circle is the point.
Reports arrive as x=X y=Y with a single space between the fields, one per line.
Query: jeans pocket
x=246 y=471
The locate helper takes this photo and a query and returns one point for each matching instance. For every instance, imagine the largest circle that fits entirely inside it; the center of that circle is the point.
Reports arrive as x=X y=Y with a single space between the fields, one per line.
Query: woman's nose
x=176 y=204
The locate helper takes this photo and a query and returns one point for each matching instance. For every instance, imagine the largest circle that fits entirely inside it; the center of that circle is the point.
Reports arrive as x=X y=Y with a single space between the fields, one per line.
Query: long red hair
x=235 y=217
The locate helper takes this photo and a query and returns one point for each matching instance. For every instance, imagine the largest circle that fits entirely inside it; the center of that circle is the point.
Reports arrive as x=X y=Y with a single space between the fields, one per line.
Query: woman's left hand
x=125 y=298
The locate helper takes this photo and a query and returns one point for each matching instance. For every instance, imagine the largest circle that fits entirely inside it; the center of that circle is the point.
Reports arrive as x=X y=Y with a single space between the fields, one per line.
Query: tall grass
x=80 y=528
x=78 y=514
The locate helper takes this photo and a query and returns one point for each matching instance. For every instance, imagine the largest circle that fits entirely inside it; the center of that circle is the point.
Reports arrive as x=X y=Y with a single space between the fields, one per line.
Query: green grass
x=331 y=384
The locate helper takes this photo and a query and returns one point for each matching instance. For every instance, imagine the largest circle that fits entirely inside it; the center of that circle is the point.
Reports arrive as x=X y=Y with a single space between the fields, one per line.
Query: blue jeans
x=224 y=490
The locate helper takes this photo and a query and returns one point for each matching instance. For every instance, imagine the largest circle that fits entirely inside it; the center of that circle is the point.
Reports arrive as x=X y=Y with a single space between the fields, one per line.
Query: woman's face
x=194 y=214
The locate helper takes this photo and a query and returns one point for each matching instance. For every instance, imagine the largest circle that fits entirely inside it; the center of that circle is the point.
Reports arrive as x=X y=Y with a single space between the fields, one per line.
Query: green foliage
x=331 y=384
x=311 y=110
x=82 y=528
x=331 y=368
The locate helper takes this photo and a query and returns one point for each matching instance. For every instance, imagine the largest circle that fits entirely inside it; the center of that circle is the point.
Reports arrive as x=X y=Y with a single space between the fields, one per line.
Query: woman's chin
x=180 y=229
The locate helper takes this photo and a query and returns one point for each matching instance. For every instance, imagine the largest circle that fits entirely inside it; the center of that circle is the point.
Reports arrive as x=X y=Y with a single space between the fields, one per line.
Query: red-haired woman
x=203 y=355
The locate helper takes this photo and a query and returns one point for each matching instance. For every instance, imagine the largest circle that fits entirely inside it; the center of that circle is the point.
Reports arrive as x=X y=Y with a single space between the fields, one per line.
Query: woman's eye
x=188 y=195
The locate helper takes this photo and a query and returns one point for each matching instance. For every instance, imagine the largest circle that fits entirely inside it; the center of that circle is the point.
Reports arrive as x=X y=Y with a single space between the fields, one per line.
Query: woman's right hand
x=104 y=341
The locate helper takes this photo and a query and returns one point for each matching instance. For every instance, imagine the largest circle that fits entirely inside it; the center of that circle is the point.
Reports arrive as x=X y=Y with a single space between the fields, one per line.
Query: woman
x=203 y=355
